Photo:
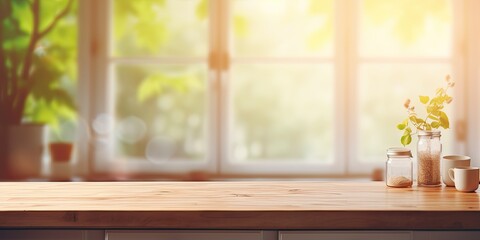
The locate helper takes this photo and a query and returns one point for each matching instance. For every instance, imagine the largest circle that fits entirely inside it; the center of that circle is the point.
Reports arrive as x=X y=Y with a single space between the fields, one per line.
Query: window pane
x=282 y=27
x=282 y=112
x=382 y=91
x=405 y=28
x=160 y=28
x=160 y=112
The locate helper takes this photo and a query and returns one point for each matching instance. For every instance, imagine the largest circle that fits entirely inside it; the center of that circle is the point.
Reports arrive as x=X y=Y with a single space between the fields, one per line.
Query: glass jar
x=429 y=151
x=399 y=167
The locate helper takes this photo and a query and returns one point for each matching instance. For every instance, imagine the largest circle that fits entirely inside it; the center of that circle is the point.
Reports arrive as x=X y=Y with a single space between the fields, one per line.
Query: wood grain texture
x=235 y=205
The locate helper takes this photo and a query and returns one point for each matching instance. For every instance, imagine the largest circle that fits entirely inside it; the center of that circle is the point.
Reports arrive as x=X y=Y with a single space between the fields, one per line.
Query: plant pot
x=26 y=150
x=60 y=151
x=60 y=167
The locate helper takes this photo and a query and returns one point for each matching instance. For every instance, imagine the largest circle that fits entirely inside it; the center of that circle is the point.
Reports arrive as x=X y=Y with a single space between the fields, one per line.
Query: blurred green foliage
x=51 y=83
x=169 y=98
x=160 y=27
x=158 y=83
x=149 y=25
x=409 y=16
x=324 y=9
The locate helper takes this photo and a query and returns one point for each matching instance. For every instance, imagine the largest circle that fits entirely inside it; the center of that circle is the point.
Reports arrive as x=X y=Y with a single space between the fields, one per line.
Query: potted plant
x=31 y=75
x=60 y=149
x=61 y=143
x=426 y=127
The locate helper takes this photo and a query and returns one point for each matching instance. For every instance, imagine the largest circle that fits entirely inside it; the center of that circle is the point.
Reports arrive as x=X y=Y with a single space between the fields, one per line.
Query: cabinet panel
x=446 y=235
x=345 y=235
x=43 y=235
x=52 y=234
x=189 y=235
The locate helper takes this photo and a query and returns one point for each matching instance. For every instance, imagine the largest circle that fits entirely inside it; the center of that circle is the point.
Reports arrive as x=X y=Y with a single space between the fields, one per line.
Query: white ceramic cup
x=453 y=161
x=465 y=178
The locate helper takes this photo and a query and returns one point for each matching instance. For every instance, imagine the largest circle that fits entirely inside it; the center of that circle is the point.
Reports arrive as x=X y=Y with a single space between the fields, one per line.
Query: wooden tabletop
x=235 y=205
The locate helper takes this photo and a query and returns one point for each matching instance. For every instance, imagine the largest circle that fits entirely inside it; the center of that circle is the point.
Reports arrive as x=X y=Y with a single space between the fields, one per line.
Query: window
x=399 y=54
x=280 y=87
x=270 y=87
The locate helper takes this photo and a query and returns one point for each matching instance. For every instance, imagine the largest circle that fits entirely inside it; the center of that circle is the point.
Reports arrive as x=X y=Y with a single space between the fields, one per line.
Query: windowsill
x=203 y=176
x=110 y=178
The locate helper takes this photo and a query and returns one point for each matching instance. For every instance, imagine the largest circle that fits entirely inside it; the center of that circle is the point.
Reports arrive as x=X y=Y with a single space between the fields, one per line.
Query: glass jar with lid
x=399 y=167
x=429 y=151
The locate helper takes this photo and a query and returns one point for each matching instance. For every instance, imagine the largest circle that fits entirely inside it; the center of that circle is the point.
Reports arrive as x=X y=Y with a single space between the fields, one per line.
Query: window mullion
x=224 y=103
x=96 y=83
x=216 y=64
x=345 y=61
x=84 y=84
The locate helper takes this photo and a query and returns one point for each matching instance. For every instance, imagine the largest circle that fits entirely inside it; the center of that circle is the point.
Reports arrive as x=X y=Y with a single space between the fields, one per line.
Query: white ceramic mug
x=465 y=178
x=453 y=161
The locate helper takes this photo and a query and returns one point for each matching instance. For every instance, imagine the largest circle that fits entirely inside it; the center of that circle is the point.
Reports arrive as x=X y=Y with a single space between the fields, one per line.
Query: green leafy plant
x=37 y=62
x=435 y=116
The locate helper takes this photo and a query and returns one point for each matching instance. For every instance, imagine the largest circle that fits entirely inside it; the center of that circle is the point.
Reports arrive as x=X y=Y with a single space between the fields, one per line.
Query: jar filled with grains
x=399 y=167
x=429 y=151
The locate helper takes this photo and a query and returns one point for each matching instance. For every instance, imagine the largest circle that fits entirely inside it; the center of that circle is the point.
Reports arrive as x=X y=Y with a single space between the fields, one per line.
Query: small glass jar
x=429 y=151
x=399 y=167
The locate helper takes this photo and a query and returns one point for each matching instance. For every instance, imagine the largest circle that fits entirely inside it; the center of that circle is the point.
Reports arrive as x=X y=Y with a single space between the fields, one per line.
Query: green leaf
x=428 y=127
x=408 y=130
x=424 y=99
x=419 y=120
x=444 y=122
x=435 y=101
x=435 y=125
x=433 y=110
x=413 y=119
x=406 y=139
x=401 y=126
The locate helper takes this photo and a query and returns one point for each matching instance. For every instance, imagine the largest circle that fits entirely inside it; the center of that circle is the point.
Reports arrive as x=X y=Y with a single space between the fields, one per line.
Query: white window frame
x=95 y=87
